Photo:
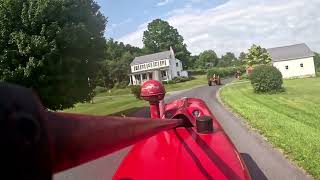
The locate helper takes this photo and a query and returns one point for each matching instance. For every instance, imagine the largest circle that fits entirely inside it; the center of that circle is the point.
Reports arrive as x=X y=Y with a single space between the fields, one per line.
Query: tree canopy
x=207 y=58
x=257 y=55
x=116 y=66
x=52 y=46
x=160 y=36
x=228 y=59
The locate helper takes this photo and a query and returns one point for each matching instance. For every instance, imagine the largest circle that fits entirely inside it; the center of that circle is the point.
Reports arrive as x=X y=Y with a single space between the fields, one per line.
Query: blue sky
x=221 y=25
x=125 y=16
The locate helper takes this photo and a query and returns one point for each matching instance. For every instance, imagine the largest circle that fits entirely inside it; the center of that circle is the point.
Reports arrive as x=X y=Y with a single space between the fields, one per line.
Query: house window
x=287 y=67
x=301 y=65
x=161 y=63
x=163 y=73
x=144 y=76
x=177 y=64
x=178 y=73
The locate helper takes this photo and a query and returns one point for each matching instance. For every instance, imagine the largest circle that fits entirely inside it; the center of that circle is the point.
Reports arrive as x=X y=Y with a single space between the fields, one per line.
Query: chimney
x=172 y=52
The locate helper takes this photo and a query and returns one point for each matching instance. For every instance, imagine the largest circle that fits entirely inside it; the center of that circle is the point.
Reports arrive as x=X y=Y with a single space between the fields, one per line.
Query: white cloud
x=163 y=2
x=235 y=25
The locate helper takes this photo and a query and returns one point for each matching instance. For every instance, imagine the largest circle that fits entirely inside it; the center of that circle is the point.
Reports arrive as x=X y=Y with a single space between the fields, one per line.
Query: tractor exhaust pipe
x=77 y=139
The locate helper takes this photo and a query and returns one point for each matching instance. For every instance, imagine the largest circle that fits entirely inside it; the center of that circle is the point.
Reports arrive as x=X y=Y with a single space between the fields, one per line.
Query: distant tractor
x=214 y=80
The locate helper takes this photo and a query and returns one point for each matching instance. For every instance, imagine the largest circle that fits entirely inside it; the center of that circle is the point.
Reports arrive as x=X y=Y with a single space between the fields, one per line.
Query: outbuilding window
x=287 y=67
x=301 y=65
x=177 y=64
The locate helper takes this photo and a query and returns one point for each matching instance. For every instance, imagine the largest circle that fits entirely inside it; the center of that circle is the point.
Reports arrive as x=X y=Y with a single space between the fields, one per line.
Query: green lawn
x=122 y=102
x=289 y=120
x=199 y=80
x=115 y=105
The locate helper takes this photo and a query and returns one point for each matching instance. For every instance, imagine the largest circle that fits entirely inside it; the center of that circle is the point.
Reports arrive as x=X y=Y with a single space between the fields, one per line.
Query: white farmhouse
x=293 y=61
x=162 y=66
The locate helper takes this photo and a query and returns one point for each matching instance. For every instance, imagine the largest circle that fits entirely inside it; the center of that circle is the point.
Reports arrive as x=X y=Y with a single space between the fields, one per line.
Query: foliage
x=242 y=56
x=52 y=46
x=279 y=117
x=194 y=72
x=317 y=61
x=99 y=89
x=257 y=55
x=227 y=60
x=115 y=68
x=181 y=79
x=225 y=71
x=192 y=62
x=160 y=36
x=244 y=76
x=207 y=59
x=266 y=79
x=136 y=90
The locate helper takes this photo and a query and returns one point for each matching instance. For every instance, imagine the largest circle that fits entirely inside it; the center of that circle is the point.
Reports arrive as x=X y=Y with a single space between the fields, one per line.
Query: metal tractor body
x=200 y=150
x=181 y=140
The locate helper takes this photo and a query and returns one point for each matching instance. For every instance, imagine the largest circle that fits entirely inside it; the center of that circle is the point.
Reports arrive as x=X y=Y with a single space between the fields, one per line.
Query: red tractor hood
x=183 y=153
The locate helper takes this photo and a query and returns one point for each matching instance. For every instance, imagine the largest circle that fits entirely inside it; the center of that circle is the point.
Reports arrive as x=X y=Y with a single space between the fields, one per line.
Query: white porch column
x=168 y=75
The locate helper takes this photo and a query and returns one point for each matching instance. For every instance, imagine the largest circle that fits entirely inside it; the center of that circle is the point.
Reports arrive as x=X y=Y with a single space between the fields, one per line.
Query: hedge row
x=195 y=72
x=225 y=71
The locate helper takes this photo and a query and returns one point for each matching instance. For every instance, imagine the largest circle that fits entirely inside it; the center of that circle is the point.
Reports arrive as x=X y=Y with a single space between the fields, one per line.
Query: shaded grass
x=289 y=120
x=116 y=105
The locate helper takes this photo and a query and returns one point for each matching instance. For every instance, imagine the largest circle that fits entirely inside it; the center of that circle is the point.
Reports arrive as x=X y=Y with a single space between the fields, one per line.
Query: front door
x=150 y=75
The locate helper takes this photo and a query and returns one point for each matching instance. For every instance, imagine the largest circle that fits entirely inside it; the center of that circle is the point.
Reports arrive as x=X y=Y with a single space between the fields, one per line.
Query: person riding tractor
x=214 y=80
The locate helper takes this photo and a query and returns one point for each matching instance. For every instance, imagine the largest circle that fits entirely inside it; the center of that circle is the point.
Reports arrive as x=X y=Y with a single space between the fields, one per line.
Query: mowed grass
x=289 y=120
x=197 y=81
x=122 y=102
x=112 y=105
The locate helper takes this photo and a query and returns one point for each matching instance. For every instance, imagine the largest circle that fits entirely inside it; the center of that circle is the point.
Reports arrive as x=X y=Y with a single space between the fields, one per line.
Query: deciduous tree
x=257 y=55
x=52 y=46
x=207 y=59
x=160 y=36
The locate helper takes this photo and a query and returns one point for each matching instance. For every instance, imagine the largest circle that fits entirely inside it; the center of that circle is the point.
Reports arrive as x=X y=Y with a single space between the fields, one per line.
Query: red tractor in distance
x=214 y=80
x=181 y=140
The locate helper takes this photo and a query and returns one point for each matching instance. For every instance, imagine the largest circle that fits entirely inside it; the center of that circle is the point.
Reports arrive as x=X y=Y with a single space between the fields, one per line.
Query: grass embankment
x=122 y=102
x=289 y=120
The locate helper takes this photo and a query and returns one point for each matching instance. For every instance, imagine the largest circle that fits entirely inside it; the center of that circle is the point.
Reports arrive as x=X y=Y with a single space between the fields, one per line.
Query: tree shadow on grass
x=254 y=171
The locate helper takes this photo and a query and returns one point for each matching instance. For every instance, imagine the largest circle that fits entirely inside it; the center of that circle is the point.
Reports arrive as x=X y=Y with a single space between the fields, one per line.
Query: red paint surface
x=183 y=153
x=153 y=91
x=154 y=110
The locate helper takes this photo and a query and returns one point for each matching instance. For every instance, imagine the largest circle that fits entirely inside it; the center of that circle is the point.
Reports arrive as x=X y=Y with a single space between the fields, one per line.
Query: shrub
x=225 y=71
x=171 y=82
x=181 y=79
x=195 y=72
x=121 y=85
x=266 y=79
x=135 y=90
x=244 y=76
x=100 y=89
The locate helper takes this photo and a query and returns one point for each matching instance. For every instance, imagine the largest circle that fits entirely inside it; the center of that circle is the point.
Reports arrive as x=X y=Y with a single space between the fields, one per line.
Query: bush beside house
x=266 y=79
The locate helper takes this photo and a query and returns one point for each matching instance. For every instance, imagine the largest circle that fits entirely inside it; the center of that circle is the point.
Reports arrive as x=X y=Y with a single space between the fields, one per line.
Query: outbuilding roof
x=151 y=57
x=285 y=53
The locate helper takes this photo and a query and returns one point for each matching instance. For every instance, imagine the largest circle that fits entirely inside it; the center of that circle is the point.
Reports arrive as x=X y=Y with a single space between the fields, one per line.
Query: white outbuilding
x=293 y=61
